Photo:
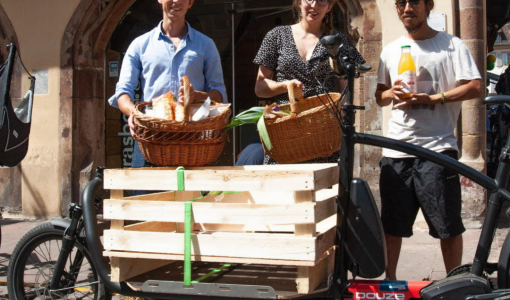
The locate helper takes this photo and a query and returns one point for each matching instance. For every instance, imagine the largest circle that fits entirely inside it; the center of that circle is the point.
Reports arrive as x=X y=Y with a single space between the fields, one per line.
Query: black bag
x=14 y=122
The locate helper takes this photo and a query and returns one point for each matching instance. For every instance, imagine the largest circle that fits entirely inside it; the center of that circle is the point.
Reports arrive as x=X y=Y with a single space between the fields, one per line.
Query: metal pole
x=234 y=138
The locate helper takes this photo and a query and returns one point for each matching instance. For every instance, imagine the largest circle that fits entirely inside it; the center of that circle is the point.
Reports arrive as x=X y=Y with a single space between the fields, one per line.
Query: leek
x=264 y=135
x=250 y=116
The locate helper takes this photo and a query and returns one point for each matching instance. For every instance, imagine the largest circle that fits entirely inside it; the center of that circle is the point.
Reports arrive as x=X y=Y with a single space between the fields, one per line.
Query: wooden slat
x=167 y=196
x=309 y=278
x=260 y=178
x=152 y=227
x=321 y=227
x=286 y=167
x=265 y=246
x=126 y=268
x=216 y=213
x=117 y=224
x=304 y=198
x=205 y=258
x=324 y=209
x=303 y=281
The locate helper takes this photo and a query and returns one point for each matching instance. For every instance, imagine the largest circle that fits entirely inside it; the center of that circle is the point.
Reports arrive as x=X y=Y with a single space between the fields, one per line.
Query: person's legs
x=452 y=252
x=438 y=191
x=393 y=246
x=139 y=161
x=398 y=207
x=253 y=154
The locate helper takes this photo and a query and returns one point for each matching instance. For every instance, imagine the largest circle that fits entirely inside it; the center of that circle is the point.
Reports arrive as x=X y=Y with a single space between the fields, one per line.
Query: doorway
x=242 y=21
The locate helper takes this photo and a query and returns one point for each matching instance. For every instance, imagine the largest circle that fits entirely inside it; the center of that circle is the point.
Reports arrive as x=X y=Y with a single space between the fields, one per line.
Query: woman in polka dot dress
x=286 y=50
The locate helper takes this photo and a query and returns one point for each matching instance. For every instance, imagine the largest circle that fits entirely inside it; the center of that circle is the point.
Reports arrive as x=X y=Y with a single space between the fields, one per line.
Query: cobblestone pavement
x=420 y=257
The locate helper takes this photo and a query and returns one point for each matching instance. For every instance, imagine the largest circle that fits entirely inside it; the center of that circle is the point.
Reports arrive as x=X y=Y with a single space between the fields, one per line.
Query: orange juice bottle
x=407 y=72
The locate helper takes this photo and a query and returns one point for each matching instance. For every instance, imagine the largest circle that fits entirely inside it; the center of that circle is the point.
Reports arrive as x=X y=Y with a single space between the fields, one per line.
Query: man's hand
x=192 y=96
x=131 y=124
x=395 y=92
x=385 y=96
x=421 y=98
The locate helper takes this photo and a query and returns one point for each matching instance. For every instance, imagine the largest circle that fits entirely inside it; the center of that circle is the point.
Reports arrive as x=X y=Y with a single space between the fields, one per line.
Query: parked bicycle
x=498 y=117
x=63 y=258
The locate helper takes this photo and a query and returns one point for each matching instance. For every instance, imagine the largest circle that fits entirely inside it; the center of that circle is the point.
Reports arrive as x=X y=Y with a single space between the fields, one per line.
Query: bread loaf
x=178 y=111
x=162 y=106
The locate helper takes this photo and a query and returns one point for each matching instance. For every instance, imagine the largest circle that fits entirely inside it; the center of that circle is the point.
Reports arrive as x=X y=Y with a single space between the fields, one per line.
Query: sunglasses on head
x=319 y=2
x=403 y=3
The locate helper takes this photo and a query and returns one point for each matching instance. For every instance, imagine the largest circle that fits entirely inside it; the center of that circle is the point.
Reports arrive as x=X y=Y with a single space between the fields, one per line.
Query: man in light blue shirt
x=161 y=57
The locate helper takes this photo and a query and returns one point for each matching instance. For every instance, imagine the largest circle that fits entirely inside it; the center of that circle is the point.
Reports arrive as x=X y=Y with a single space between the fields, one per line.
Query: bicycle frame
x=350 y=138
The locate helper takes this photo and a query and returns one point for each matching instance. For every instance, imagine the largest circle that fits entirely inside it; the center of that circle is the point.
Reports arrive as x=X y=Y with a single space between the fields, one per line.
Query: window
x=498 y=38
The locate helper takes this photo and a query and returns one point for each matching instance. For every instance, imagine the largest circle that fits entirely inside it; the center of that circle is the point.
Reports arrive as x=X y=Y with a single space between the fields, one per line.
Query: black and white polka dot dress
x=279 y=53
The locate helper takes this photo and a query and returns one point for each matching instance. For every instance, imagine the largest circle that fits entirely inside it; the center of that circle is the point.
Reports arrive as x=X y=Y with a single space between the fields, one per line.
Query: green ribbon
x=180 y=178
x=188 y=222
x=211 y=273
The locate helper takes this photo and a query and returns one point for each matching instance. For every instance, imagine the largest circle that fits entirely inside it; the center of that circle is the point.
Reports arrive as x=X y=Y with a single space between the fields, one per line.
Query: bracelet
x=443 y=98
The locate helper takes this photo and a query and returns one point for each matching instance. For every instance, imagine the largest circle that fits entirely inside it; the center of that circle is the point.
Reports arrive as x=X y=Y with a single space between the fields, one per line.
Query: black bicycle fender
x=503 y=263
x=60 y=223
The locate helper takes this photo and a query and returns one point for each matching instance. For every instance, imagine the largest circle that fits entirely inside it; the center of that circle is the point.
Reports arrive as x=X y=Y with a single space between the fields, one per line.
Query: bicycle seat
x=498 y=99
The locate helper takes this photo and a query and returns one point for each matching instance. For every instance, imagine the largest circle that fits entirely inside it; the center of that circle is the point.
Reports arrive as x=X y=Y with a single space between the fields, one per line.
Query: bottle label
x=408 y=81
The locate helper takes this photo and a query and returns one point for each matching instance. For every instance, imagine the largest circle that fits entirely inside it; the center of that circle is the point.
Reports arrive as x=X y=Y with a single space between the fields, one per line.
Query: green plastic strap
x=180 y=178
x=211 y=273
x=188 y=217
x=188 y=221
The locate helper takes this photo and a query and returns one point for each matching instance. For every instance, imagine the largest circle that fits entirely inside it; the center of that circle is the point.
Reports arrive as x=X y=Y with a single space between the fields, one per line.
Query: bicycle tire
x=31 y=264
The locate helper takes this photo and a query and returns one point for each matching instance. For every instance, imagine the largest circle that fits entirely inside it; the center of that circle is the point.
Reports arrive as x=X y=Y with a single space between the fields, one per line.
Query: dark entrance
x=244 y=22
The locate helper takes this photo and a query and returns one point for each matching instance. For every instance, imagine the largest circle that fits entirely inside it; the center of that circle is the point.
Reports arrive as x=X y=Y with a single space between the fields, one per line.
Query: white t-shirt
x=440 y=62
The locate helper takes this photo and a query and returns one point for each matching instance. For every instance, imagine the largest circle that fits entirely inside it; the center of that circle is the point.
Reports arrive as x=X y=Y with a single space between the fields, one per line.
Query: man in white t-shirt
x=446 y=74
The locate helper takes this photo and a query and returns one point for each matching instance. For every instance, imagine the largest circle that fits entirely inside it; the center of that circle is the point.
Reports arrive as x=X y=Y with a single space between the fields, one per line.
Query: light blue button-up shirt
x=153 y=59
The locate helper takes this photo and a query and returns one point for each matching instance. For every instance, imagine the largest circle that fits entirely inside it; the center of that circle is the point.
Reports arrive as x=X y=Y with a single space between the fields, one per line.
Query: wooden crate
x=285 y=216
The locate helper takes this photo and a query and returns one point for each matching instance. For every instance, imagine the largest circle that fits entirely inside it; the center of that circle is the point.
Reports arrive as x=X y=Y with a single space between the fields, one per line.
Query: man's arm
x=195 y=96
x=213 y=72
x=129 y=74
x=468 y=89
x=215 y=95
x=126 y=106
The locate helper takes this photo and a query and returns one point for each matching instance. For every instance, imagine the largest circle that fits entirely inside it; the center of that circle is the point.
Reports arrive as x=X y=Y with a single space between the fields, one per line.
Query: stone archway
x=10 y=178
x=82 y=103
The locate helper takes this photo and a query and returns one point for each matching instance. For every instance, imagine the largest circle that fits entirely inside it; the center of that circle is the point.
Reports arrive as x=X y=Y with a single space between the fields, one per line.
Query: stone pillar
x=370 y=120
x=471 y=20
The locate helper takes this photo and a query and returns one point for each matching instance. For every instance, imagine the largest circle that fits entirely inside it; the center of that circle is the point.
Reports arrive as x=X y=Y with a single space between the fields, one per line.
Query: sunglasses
x=403 y=3
x=319 y=2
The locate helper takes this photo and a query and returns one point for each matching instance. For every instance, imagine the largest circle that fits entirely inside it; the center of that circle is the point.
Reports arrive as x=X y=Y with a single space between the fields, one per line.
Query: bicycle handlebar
x=497 y=99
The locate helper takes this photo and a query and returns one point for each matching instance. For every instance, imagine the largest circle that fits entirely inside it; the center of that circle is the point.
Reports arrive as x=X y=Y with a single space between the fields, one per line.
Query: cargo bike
x=323 y=235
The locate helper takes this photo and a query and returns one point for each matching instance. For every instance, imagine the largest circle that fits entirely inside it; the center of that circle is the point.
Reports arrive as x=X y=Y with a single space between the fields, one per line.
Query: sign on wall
x=437 y=21
x=114 y=69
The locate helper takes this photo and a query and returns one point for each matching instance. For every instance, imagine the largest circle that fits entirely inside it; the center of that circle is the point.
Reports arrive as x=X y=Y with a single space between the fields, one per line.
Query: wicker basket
x=173 y=143
x=311 y=131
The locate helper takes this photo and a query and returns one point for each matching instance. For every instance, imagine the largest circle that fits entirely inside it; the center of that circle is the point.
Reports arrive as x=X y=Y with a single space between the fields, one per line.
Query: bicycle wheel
x=32 y=264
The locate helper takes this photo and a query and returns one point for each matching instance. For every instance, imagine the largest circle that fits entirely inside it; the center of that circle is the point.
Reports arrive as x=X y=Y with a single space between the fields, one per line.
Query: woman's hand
x=297 y=84
x=267 y=87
